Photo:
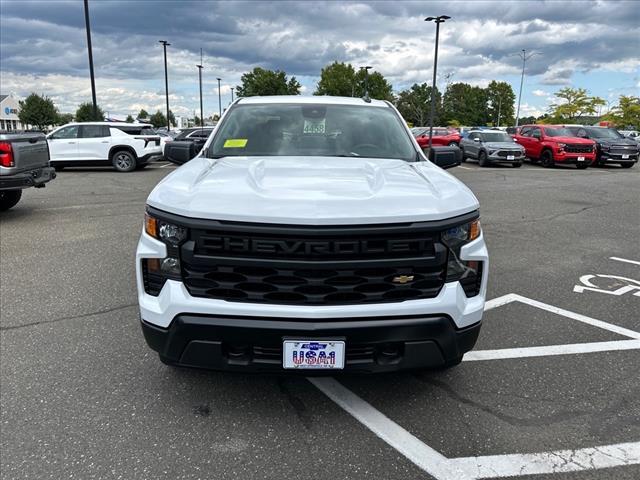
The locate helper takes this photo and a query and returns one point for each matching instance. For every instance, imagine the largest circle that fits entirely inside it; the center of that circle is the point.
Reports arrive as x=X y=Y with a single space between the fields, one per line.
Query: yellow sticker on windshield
x=235 y=143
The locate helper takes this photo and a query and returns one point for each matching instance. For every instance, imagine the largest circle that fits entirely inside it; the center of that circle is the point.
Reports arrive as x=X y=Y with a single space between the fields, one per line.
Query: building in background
x=9 y=108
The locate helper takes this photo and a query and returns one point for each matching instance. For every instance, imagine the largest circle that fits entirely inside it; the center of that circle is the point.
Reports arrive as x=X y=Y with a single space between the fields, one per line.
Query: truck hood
x=312 y=191
x=626 y=142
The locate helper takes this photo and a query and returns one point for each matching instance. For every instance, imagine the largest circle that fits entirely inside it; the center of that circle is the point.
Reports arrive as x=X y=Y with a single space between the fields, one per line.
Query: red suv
x=441 y=136
x=551 y=144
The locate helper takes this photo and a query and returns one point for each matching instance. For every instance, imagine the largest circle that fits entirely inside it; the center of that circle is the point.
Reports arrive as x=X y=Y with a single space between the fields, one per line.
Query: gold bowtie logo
x=402 y=279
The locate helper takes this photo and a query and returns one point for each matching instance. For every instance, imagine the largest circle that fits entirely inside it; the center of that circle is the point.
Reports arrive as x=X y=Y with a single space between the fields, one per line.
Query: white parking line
x=625 y=260
x=550 y=350
x=559 y=461
x=422 y=455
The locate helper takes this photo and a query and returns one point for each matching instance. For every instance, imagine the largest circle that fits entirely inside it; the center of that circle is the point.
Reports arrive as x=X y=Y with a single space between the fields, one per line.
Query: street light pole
x=499 y=108
x=366 y=83
x=438 y=20
x=200 y=80
x=219 y=100
x=524 y=58
x=165 y=44
x=93 y=80
x=231 y=94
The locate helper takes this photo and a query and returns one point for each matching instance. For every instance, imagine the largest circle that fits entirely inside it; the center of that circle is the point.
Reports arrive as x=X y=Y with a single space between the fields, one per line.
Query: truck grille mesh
x=578 y=148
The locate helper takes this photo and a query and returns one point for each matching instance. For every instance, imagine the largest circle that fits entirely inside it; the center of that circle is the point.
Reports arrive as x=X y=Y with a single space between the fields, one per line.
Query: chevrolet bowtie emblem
x=402 y=279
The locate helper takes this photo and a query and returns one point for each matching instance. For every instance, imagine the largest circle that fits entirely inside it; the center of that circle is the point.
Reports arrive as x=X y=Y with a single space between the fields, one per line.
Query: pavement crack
x=298 y=405
x=73 y=317
x=510 y=419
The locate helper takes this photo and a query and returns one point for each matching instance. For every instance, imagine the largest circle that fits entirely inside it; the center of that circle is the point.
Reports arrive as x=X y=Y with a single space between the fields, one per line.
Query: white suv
x=125 y=146
x=312 y=233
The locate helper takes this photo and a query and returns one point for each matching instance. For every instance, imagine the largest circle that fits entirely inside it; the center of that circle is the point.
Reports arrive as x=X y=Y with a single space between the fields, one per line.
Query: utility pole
x=219 y=100
x=499 y=108
x=93 y=80
x=523 y=55
x=165 y=44
x=200 y=79
x=438 y=20
x=231 y=94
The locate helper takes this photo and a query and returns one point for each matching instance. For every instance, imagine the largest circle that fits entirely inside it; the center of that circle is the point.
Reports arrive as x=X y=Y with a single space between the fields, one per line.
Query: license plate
x=313 y=354
x=581 y=159
x=625 y=157
x=511 y=157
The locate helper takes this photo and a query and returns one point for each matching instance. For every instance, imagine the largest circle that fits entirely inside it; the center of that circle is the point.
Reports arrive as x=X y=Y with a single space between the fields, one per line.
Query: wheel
x=582 y=166
x=517 y=165
x=547 y=159
x=9 y=198
x=627 y=165
x=482 y=159
x=124 y=161
x=58 y=168
x=464 y=157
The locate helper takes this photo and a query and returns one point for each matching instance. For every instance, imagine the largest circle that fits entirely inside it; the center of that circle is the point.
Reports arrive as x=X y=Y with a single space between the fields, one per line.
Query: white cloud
x=540 y=93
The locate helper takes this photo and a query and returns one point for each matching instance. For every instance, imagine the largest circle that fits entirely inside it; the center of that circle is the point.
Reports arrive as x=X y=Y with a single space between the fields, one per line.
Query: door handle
x=105 y=141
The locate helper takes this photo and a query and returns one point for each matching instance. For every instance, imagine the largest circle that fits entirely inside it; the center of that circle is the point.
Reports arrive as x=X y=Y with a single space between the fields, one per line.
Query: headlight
x=156 y=271
x=468 y=273
x=604 y=148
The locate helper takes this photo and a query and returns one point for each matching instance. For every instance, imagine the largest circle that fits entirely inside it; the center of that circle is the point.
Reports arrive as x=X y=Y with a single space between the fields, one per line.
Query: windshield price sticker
x=235 y=143
x=314 y=126
x=313 y=354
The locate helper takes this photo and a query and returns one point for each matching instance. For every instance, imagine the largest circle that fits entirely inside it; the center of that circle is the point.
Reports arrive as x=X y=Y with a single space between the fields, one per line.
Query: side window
x=473 y=136
x=94 y=131
x=67 y=132
x=536 y=132
x=525 y=131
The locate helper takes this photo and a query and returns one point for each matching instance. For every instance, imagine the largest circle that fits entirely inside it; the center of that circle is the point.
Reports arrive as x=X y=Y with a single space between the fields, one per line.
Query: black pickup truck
x=24 y=163
x=186 y=145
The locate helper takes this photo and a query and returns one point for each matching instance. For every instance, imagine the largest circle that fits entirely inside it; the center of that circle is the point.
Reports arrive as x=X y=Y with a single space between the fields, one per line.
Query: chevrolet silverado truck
x=24 y=163
x=311 y=234
x=551 y=145
x=611 y=145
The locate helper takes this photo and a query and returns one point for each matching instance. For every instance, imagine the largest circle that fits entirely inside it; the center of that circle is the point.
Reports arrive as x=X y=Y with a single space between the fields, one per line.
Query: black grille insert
x=578 y=148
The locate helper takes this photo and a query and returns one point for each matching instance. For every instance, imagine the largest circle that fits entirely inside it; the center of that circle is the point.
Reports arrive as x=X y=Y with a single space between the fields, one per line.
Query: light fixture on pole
x=93 y=79
x=200 y=79
x=165 y=44
x=438 y=20
x=523 y=55
x=219 y=100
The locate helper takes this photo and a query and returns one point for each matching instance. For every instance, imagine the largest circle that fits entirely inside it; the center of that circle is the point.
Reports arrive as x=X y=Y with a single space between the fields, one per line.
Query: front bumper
x=617 y=157
x=150 y=157
x=30 y=178
x=573 y=158
x=255 y=344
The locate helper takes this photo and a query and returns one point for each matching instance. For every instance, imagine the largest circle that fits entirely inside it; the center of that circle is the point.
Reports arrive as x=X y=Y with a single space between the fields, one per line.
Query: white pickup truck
x=125 y=146
x=311 y=233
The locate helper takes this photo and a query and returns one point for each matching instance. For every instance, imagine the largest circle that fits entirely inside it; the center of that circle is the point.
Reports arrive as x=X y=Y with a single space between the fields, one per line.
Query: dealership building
x=9 y=108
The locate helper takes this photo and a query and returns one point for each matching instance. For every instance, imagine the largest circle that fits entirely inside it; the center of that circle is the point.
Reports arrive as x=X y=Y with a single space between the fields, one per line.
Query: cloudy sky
x=590 y=44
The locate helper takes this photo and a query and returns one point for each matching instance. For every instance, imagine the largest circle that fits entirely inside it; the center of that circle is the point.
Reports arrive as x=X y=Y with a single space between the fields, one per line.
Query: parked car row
x=549 y=145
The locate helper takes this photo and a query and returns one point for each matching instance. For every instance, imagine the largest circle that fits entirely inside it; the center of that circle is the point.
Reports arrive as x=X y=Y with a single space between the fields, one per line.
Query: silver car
x=491 y=146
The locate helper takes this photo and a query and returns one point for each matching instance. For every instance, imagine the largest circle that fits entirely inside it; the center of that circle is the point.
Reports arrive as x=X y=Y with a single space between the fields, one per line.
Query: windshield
x=557 y=132
x=604 y=133
x=496 y=137
x=312 y=130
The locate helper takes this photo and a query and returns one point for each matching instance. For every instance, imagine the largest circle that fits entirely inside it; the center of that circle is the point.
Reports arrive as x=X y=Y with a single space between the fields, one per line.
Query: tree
x=85 y=113
x=379 y=88
x=158 y=119
x=129 y=119
x=143 y=113
x=626 y=113
x=337 y=79
x=465 y=104
x=38 y=111
x=196 y=121
x=172 y=119
x=500 y=99
x=261 y=81
x=64 y=118
x=414 y=105
x=576 y=104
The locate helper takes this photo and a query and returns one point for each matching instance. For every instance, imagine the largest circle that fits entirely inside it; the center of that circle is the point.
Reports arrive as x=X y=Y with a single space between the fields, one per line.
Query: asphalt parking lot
x=551 y=390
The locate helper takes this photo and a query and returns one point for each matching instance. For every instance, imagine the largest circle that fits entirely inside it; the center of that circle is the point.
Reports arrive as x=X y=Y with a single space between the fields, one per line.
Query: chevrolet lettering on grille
x=316 y=247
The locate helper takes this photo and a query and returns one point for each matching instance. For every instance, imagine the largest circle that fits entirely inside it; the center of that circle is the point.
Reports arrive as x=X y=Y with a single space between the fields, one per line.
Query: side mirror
x=446 y=157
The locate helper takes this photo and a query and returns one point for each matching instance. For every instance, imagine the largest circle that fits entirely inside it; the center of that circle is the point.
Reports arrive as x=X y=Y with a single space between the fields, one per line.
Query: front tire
x=482 y=159
x=547 y=159
x=9 y=198
x=124 y=161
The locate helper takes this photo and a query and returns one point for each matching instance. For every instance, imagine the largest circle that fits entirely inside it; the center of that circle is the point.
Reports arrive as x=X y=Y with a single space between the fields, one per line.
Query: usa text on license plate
x=313 y=354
